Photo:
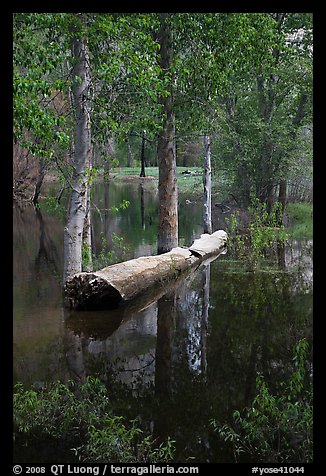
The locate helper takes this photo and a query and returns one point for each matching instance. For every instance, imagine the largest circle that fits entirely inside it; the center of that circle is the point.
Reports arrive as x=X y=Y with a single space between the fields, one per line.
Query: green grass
x=122 y=171
x=152 y=171
x=301 y=220
x=187 y=183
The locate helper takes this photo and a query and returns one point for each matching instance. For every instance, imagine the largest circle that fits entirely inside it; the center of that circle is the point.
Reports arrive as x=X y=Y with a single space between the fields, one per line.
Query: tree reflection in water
x=173 y=373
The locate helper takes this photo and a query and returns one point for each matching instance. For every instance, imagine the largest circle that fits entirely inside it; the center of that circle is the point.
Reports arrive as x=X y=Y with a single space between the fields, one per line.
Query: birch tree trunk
x=204 y=319
x=167 y=186
x=73 y=233
x=87 y=263
x=142 y=155
x=207 y=185
x=130 y=156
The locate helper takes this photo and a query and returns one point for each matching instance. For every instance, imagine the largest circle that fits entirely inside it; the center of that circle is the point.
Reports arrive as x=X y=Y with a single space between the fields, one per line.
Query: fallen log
x=108 y=287
x=101 y=324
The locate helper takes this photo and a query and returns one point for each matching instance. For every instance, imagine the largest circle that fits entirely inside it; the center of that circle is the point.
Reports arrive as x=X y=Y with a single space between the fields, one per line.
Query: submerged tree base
x=108 y=287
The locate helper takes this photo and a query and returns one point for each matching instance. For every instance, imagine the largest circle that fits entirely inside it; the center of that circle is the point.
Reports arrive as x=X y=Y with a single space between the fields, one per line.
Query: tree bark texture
x=167 y=186
x=207 y=185
x=73 y=233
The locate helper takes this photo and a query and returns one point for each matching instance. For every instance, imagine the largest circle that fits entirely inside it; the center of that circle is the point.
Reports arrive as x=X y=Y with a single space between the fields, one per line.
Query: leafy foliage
x=250 y=242
x=244 y=78
x=265 y=114
x=114 y=255
x=82 y=415
x=38 y=78
x=275 y=428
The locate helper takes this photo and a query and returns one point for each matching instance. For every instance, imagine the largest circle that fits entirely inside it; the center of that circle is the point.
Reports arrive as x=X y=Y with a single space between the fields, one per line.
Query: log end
x=90 y=291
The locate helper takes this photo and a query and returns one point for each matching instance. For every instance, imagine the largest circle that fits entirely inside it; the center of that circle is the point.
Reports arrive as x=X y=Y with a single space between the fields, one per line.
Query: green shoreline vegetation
x=299 y=215
x=81 y=419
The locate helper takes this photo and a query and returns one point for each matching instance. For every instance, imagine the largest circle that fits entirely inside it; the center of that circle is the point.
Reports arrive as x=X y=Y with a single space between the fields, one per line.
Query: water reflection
x=166 y=329
x=47 y=256
x=244 y=326
x=74 y=347
x=201 y=301
x=150 y=314
x=204 y=318
x=179 y=355
x=37 y=264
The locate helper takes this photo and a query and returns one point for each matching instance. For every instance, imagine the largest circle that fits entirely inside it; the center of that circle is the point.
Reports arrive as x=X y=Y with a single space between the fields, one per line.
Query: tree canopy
x=245 y=78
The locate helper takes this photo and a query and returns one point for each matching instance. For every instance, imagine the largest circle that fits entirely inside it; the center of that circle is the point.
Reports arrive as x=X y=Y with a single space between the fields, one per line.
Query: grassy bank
x=190 y=179
x=300 y=220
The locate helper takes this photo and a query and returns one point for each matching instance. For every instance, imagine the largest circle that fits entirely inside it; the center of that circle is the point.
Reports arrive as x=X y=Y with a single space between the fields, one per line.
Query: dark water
x=174 y=362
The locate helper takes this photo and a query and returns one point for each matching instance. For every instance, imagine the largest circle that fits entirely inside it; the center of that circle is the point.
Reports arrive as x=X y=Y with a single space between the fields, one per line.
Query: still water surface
x=176 y=362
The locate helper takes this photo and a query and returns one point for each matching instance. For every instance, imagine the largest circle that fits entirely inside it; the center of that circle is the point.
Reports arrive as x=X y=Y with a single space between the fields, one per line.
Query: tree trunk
x=167 y=186
x=282 y=200
x=109 y=150
x=39 y=181
x=207 y=185
x=73 y=234
x=87 y=264
x=264 y=179
x=130 y=156
x=142 y=155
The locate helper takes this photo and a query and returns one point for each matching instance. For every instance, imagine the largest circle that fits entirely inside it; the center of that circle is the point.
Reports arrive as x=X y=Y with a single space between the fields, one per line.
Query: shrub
x=275 y=428
x=260 y=235
x=82 y=416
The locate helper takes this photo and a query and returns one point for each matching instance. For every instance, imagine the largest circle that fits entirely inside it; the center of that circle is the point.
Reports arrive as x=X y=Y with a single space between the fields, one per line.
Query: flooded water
x=188 y=354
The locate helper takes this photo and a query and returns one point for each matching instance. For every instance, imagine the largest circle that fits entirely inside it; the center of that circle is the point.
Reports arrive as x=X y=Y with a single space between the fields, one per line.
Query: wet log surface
x=109 y=287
